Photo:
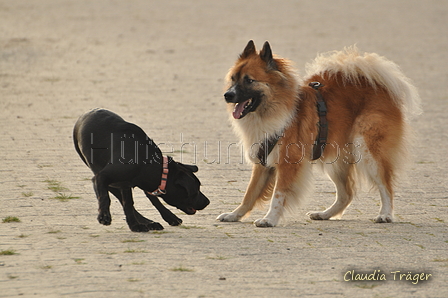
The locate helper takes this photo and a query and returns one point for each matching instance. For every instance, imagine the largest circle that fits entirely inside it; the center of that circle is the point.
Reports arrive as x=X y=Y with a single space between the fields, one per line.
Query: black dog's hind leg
x=166 y=214
x=135 y=221
x=100 y=187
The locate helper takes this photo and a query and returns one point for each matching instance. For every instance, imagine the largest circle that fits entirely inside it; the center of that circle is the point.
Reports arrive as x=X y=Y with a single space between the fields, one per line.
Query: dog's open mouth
x=188 y=210
x=243 y=108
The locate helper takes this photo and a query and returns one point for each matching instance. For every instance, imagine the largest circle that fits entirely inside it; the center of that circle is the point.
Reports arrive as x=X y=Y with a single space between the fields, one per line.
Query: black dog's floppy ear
x=187 y=180
x=266 y=56
x=191 y=168
x=249 y=50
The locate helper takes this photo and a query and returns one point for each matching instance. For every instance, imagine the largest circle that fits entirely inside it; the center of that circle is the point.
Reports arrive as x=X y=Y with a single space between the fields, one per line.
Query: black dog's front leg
x=166 y=214
x=100 y=187
x=135 y=221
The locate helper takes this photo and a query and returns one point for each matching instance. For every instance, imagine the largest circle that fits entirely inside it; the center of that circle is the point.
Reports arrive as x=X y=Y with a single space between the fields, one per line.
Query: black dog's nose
x=229 y=95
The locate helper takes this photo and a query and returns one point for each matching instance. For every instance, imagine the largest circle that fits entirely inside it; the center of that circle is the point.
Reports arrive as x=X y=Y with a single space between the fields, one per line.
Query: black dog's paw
x=146 y=227
x=139 y=228
x=104 y=219
x=155 y=226
x=174 y=221
x=170 y=218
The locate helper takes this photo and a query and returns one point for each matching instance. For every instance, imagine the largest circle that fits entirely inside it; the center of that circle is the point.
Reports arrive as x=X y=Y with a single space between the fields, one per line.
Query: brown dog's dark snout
x=230 y=95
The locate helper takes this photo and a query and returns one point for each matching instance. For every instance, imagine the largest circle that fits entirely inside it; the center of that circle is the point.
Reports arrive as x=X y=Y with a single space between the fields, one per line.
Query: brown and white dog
x=362 y=133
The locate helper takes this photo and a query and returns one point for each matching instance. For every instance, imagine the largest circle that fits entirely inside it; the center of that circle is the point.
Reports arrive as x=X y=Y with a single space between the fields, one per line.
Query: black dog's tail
x=75 y=141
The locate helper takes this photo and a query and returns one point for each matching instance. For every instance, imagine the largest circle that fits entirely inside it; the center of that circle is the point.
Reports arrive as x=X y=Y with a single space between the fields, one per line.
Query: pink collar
x=161 y=189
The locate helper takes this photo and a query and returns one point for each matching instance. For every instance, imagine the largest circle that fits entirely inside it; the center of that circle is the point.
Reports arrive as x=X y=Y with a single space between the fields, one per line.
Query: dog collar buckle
x=158 y=192
x=161 y=189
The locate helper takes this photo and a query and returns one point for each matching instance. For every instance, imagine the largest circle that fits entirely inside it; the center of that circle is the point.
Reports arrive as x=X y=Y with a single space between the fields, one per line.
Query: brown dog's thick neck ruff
x=321 y=138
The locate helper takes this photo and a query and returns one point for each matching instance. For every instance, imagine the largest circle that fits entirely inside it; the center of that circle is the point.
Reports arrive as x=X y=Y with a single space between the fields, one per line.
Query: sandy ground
x=161 y=65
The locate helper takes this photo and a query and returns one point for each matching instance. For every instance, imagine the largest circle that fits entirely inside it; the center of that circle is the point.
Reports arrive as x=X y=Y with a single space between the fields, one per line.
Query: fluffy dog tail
x=377 y=70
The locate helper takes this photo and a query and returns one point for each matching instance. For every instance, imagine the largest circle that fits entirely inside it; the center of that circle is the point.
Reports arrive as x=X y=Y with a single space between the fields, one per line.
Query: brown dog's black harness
x=322 y=125
x=266 y=148
x=321 y=139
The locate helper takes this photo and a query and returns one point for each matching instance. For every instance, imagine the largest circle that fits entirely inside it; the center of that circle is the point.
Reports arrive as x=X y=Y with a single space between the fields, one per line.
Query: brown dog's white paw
x=317 y=215
x=229 y=217
x=384 y=218
x=265 y=223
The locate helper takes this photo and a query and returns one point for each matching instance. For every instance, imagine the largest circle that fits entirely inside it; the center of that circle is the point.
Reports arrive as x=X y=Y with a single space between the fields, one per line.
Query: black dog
x=122 y=156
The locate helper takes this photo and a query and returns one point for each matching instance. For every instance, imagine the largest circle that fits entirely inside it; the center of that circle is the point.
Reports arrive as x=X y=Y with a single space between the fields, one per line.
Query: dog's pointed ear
x=266 y=56
x=249 y=50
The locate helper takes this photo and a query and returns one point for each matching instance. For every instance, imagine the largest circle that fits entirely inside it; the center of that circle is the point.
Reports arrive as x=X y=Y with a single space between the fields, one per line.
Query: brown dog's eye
x=248 y=80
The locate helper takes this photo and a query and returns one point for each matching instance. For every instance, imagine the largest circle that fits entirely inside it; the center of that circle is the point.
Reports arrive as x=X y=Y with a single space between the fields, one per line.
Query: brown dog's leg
x=260 y=186
x=293 y=183
x=342 y=179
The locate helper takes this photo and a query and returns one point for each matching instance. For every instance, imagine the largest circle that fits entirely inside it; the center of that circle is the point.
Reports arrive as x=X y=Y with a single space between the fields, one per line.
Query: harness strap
x=321 y=138
x=266 y=148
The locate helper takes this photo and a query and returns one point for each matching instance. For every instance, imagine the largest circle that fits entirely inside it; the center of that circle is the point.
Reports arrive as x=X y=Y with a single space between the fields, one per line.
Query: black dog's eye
x=248 y=80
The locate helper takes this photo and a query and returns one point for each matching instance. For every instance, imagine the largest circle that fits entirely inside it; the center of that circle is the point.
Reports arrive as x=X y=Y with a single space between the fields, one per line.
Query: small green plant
x=23 y=236
x=132 y=240
x=44 y=166
x=79 y=261
x=138 y=263
x=190 y=227
x=134 y=251
x=107 y=253
x=218 y=258
x=181 y=269
x=27 y=194
x=55 y=185
x=53 y=231
x=160 y=232
x=440 y=260
x=133 y=279
x=63 y=197
x=7 y=252
x=10 y=219
x=12 y=276
x=46 y=267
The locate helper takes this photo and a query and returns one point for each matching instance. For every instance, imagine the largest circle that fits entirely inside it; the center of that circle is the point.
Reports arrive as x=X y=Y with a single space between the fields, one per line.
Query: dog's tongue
x=238 y=110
